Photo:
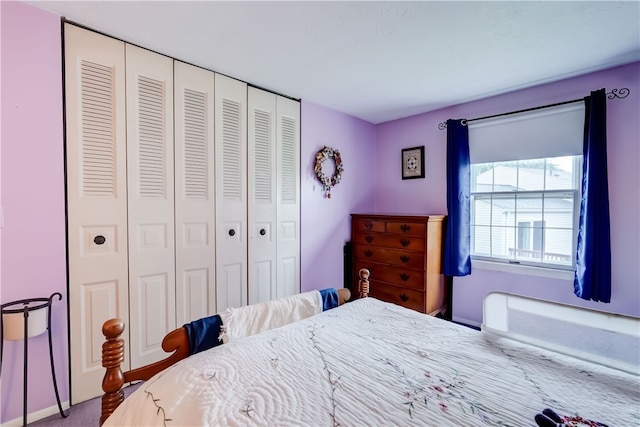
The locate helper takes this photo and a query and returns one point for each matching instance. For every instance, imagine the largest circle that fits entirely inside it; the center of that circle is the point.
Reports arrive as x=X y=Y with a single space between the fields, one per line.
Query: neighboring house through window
x=526 y=211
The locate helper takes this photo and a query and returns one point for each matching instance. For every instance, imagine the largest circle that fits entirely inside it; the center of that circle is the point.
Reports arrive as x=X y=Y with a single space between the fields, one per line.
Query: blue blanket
x=203 y=333
x=329 y=298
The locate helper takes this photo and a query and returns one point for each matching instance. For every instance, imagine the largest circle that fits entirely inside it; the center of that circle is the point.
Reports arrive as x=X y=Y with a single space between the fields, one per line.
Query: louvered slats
x=288 y=160
x=195 y=156
x=262 y=153
x=231 y=149
x=151 y=112
x=98 y=140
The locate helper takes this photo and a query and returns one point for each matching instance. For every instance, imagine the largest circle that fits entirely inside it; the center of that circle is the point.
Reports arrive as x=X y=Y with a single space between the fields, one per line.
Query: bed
x=368 y=362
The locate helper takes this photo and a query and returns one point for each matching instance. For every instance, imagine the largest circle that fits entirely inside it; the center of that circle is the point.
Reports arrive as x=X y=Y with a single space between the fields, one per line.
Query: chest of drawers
x=404 y=255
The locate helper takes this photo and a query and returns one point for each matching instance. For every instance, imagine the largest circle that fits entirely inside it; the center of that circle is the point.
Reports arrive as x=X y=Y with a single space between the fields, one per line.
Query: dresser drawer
x=369 y=225
x=390 y=256
x=394 y=294
x=404 y=277
x=413 y=243
x=406 y=228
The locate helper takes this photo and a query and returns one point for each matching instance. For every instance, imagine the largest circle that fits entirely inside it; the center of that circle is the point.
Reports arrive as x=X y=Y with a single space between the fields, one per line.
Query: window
x=524 y=235
x=526 y=211
x=526 y=171
x=530 y=235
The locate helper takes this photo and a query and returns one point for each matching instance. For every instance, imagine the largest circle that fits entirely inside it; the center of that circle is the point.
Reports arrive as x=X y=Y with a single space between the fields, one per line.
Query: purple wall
x=326 y=222
x=411 y=196
x=33 y=257
x=624 y=181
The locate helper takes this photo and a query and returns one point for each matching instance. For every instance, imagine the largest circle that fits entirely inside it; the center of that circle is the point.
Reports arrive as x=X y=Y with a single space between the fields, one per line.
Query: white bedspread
x=255 y=318
x=369 y=363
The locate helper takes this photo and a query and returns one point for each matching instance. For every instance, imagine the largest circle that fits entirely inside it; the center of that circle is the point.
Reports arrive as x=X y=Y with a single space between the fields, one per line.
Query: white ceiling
x=382 y=60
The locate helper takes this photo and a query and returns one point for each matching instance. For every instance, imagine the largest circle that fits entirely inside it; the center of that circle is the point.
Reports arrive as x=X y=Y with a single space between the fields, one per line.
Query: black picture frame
x=413 y=162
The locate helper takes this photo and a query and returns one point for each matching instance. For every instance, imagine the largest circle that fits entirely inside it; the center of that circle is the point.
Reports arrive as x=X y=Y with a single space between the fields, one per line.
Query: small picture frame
x=413 y=163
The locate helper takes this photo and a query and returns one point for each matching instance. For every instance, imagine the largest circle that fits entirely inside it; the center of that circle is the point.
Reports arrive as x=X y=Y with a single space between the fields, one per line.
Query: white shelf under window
x=527 y=270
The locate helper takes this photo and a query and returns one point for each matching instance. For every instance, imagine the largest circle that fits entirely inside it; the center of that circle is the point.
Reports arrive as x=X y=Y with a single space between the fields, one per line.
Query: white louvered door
x=288 y=196
x=167 y=227
x=150 y=159
x=231 y=192
x=261 y=171
x=96 y=200
x=195 y=196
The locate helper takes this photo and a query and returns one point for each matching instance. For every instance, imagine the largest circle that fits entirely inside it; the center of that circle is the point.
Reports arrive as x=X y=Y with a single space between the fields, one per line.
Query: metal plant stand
x=28 y=307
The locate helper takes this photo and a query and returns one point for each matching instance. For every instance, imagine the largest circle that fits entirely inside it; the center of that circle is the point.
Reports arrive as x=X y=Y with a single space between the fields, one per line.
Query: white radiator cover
x=606 y=338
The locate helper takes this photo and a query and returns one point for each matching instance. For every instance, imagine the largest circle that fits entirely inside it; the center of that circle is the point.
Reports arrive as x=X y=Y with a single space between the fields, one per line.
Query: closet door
x=288 y=196
x=261 y=195
x=194 y=193
x=150 y=154
x=96 y=200
x=231 y=192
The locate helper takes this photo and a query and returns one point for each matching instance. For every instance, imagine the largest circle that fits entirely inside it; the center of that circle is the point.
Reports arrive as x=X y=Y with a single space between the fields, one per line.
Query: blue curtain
x=457 y=248
x=592 y=280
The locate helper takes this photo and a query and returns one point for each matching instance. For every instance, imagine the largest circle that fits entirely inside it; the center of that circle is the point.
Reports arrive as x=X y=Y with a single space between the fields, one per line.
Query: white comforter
x=378 y=364
x=255 y=318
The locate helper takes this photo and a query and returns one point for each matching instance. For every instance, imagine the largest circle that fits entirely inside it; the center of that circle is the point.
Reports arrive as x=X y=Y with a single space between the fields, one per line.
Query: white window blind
x=549 y=132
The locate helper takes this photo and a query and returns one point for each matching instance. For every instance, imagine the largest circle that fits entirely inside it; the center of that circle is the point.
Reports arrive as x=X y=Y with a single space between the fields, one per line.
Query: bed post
x=363 y=283
x=112 y=358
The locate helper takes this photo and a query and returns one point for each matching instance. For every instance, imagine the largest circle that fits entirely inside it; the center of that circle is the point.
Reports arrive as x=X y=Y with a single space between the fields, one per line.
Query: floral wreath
x=326 y=181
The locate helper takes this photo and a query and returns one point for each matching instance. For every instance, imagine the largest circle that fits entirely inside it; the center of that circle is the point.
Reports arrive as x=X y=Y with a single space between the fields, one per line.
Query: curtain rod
x=615 y=93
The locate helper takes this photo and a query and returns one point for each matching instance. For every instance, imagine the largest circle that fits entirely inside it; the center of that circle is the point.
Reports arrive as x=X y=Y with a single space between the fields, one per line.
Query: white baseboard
x=466 y=321
x=38 y=415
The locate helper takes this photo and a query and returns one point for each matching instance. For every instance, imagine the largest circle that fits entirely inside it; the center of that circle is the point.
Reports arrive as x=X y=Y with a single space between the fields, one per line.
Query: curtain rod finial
x=618 y=93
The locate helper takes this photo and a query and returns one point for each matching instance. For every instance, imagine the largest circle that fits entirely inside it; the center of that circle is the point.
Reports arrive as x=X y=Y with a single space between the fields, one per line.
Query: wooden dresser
x=404 y=255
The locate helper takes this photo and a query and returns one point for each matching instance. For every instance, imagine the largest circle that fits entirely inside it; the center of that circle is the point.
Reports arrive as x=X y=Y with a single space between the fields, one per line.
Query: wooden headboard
x=175 y=342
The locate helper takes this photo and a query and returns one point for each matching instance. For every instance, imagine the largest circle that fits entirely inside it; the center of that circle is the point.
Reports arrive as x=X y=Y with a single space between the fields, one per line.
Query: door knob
x=232 y=232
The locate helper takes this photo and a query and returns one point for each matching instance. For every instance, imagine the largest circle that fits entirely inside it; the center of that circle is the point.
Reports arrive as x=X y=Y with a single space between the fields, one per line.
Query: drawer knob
x=368 y=225
x=404 y=277
x=404 y=298
x=368 y=253
x=405 y=227
x=405 y=242
x=369 y=239
x=405 y=258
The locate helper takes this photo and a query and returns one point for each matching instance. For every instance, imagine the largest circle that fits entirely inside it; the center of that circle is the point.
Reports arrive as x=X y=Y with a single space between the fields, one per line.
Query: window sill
x=523 y=269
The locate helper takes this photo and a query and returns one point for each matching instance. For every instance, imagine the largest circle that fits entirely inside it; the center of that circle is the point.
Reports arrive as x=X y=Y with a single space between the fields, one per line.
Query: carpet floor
x=84 y=414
